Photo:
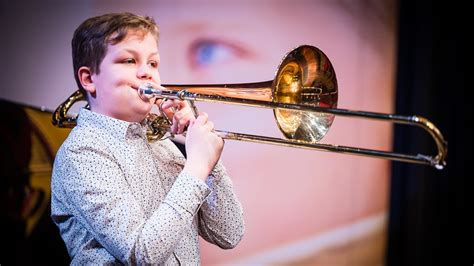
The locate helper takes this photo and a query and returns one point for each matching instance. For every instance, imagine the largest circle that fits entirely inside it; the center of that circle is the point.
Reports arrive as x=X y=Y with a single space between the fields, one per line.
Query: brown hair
x=89 y=44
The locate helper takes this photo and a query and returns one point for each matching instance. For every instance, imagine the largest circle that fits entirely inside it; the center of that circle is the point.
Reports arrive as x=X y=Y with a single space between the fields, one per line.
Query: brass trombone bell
x=303 y=96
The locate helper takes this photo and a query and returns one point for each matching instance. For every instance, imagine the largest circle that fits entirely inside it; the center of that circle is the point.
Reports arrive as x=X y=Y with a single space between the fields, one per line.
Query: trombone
x=303 y=97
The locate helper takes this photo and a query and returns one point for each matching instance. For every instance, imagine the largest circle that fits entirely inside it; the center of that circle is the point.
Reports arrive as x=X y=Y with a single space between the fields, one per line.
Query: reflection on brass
x=303 y=96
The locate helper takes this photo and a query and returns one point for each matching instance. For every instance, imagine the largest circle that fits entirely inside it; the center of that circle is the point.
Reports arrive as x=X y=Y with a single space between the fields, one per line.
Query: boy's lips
x=134 y=86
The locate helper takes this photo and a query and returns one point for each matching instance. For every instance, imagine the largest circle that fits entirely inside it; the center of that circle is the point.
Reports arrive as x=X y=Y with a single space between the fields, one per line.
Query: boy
x=117 y=198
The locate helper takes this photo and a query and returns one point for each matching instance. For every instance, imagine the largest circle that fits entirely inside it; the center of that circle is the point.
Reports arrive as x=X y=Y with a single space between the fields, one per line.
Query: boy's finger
x=202 y=118
x=168 y=104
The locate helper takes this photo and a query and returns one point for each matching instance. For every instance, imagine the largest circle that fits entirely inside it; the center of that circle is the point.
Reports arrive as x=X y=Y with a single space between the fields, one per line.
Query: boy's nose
x=144 y=73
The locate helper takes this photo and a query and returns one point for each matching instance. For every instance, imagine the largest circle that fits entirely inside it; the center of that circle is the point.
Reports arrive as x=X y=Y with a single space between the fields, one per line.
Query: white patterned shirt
x=117 y=198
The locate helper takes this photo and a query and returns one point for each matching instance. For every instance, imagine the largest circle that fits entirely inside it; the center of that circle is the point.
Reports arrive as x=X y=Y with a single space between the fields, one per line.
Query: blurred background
x=301 y=207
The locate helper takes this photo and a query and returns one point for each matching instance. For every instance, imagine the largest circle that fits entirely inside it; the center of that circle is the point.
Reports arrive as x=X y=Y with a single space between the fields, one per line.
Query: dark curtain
x=430 y=222
x=20 y=200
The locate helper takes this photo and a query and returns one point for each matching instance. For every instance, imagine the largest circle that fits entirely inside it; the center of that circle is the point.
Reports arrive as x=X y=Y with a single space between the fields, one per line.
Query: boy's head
x=92 y=37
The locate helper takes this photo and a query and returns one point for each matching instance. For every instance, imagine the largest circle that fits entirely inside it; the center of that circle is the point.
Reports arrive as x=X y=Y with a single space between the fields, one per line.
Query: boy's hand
x=180 y=113
x=203 y=147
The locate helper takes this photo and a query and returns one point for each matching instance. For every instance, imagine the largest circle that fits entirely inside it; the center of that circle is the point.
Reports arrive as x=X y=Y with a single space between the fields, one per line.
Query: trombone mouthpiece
x=146 y=91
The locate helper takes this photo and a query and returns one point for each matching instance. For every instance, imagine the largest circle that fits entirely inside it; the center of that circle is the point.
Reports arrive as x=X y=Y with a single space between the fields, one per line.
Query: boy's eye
x=153 y=64
x=129 y=61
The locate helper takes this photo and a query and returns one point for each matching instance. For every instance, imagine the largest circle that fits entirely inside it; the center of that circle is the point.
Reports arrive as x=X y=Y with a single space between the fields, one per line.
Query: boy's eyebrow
x=134 y=52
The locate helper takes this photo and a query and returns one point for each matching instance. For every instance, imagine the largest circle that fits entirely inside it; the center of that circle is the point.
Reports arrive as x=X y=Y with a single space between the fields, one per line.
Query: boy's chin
x=142 y=110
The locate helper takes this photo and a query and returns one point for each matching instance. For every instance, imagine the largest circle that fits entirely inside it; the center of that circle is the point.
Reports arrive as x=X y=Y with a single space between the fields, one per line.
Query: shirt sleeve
x=93 y=185
x=221 y=217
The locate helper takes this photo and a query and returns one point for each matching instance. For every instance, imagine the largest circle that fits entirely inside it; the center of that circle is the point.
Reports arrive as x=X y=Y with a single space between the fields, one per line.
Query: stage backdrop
x=300 y=205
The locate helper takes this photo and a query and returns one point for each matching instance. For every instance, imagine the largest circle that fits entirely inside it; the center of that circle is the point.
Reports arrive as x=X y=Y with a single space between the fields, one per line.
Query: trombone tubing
x=438 y=161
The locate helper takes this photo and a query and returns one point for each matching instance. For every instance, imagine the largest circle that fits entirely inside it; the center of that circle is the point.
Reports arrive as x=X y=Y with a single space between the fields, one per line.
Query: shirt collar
x=117 y=128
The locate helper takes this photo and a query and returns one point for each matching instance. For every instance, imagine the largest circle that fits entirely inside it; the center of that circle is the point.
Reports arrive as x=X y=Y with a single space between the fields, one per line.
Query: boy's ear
x=85 y=77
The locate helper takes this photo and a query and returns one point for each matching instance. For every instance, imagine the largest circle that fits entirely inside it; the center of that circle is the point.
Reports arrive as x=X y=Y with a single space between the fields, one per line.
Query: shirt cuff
x=219 y=170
